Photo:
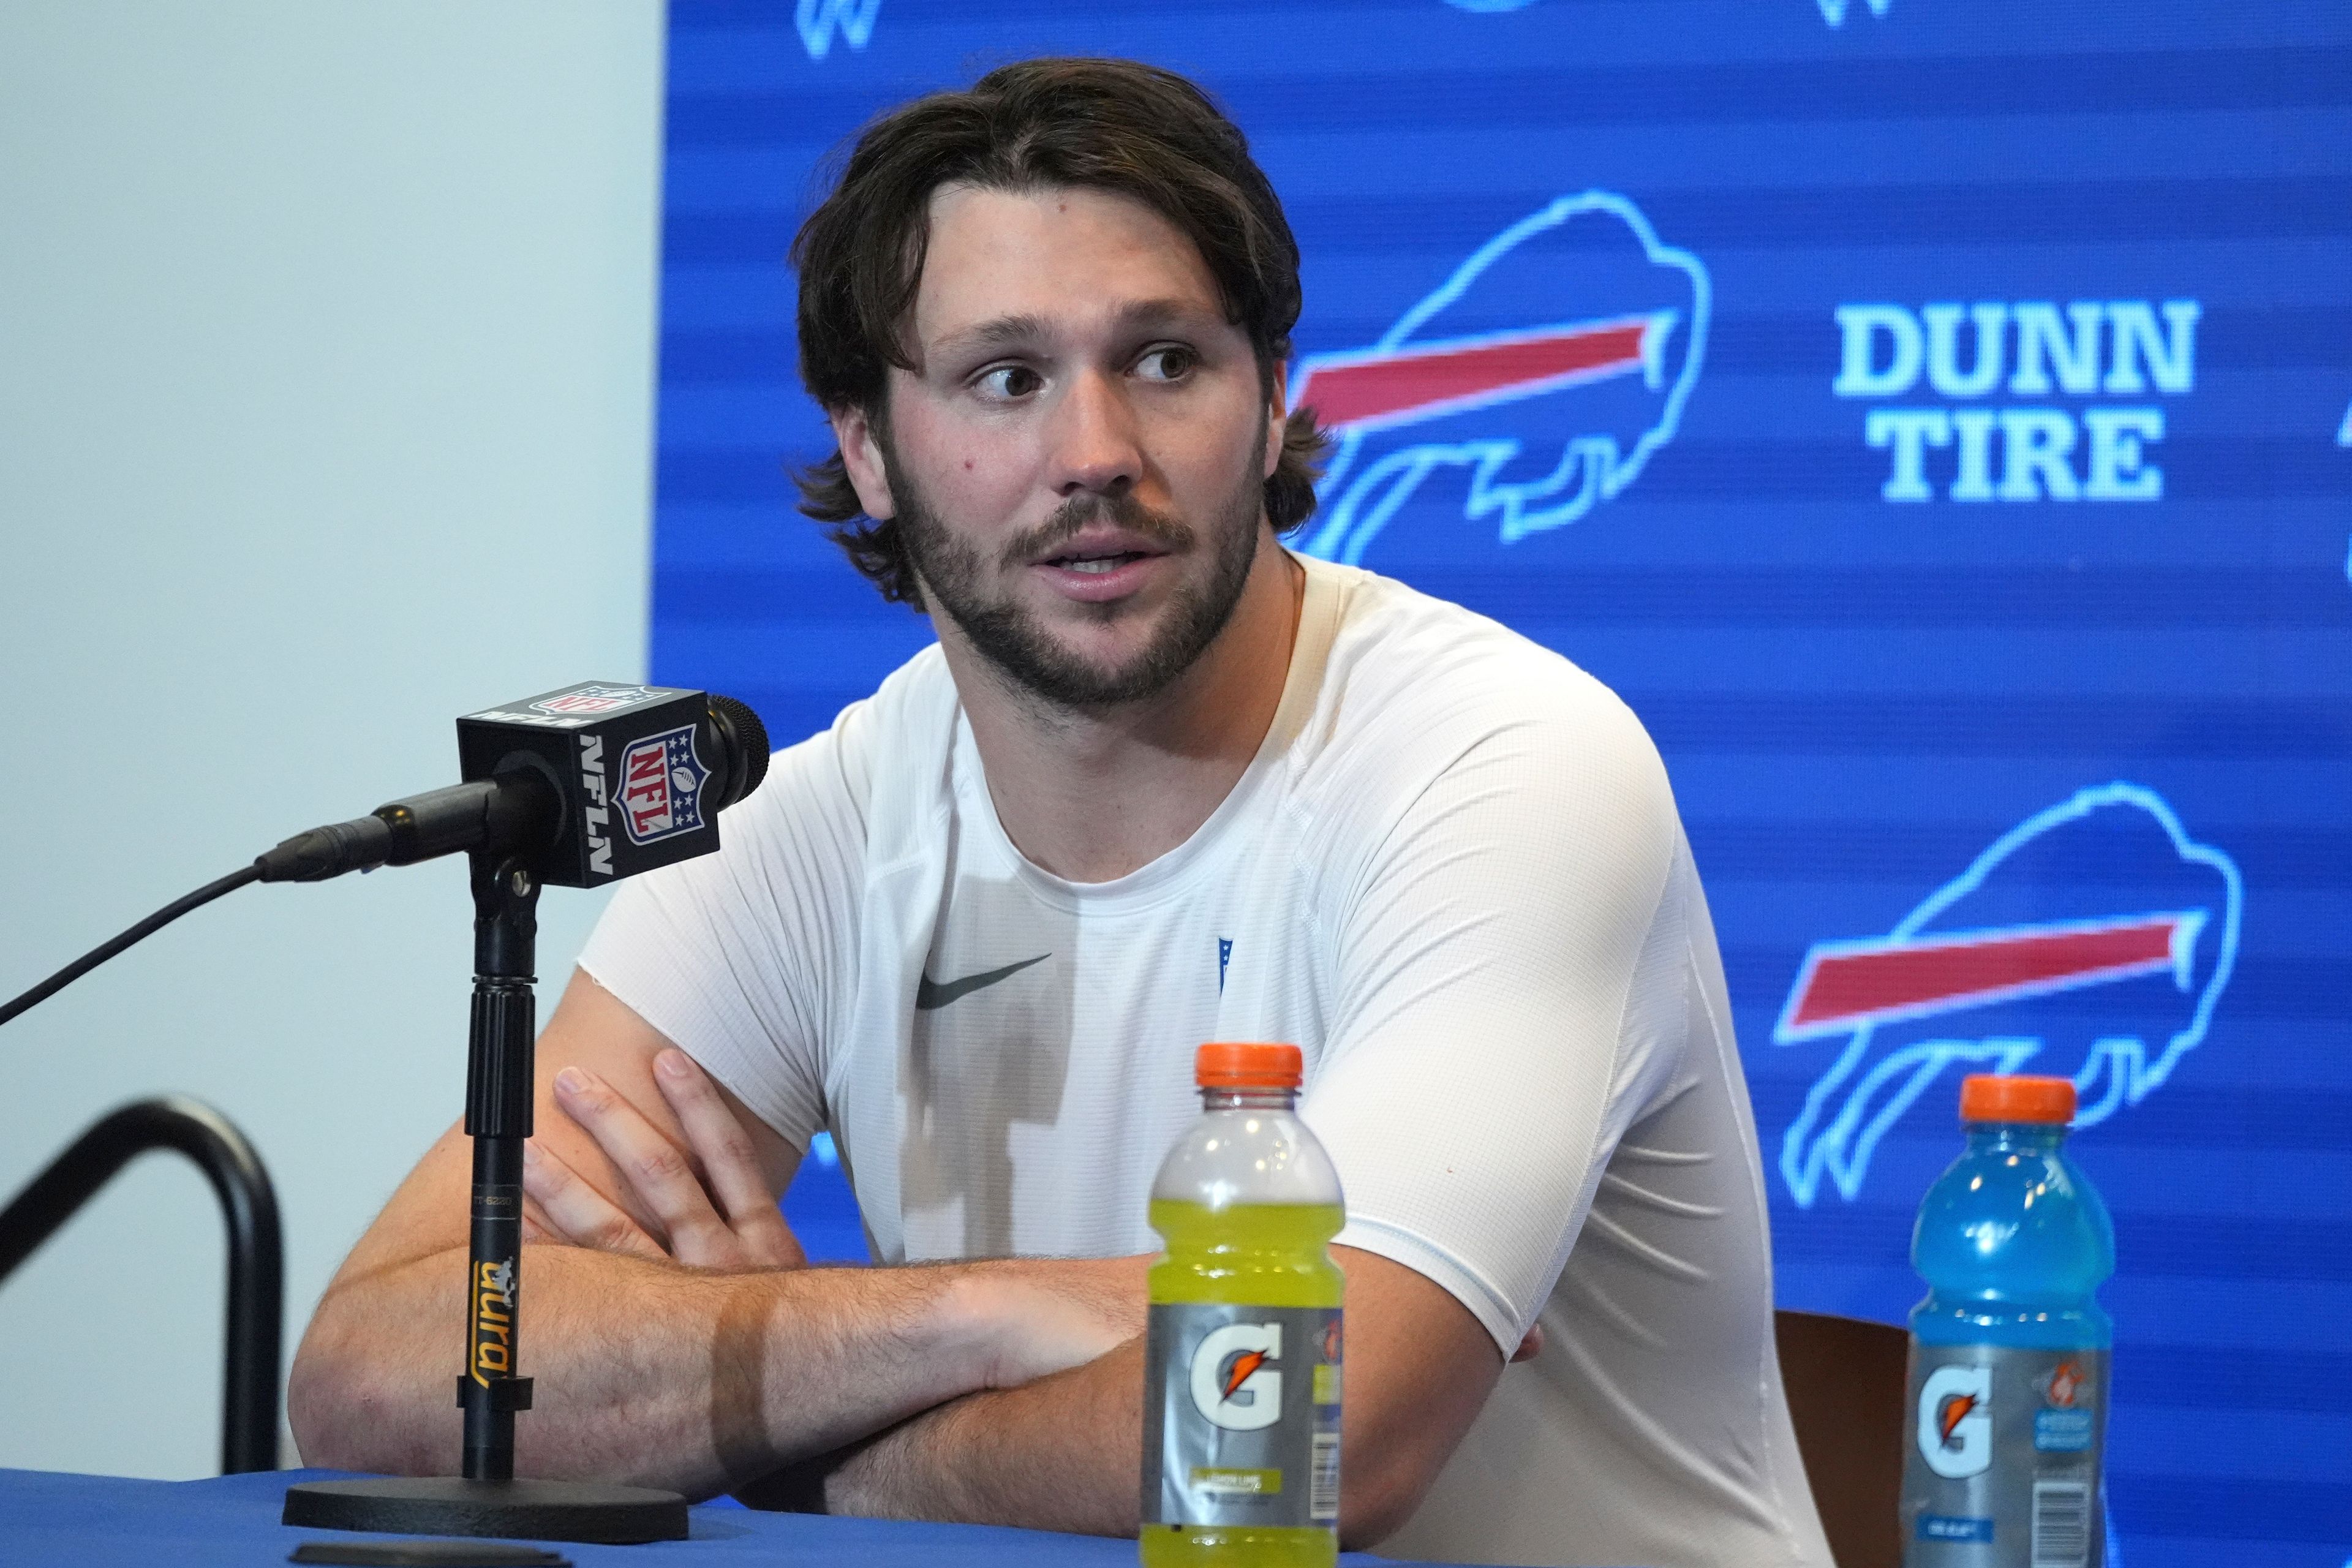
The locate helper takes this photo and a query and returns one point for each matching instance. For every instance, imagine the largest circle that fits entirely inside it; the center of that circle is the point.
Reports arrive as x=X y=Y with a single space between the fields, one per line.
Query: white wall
x=326 y=349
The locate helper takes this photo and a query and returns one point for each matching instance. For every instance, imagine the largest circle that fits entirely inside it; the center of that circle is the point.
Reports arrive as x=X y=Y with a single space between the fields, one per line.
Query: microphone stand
x=499 y=1073
x=487 y=1500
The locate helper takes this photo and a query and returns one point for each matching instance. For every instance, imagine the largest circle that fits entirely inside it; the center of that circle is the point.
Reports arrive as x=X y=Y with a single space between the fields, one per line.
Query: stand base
x=528 y=1511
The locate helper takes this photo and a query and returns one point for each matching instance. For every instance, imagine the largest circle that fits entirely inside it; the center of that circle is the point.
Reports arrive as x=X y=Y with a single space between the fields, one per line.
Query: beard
x=1014 y=639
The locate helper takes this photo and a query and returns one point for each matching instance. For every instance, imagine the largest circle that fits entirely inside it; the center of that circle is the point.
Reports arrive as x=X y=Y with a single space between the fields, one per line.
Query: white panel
x=326 y=340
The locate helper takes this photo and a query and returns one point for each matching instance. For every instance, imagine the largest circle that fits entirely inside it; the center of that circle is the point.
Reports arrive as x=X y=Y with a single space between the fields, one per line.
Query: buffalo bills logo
x=2093 y=940
x=1531 y=386
x=661 y=786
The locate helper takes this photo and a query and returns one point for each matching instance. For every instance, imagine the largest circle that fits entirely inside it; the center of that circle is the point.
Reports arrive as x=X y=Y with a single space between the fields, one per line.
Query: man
x=1159 y=782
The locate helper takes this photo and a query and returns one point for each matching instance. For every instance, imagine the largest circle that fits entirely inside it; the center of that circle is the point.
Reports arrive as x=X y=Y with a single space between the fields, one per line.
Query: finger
x=785 y=1251
x=657 y=1174
x=1530 y=1347
x=731 y=1165
x=536 y=1227
x=577 y=1213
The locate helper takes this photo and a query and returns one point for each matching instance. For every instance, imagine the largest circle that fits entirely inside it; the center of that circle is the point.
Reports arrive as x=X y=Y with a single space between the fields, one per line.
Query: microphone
x=583 y=787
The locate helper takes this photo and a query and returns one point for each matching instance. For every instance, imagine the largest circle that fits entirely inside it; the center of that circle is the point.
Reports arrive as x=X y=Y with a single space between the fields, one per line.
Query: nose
x=1097 y=447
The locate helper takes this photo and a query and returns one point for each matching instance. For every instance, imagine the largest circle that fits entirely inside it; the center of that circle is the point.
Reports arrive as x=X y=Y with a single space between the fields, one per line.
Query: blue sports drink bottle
x=2009 y=1350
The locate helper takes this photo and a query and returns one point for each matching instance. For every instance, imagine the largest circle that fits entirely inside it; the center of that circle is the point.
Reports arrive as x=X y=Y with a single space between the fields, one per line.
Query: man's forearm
x=643 y=1373
x=1063 y=1453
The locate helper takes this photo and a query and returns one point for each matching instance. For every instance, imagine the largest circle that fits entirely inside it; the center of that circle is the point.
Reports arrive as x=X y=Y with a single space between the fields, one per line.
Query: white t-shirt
x=1455 y=877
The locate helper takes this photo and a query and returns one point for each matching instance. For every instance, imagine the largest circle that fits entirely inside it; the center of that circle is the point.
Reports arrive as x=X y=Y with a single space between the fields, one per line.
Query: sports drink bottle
x=2009 y=1350
x=1241 y=1400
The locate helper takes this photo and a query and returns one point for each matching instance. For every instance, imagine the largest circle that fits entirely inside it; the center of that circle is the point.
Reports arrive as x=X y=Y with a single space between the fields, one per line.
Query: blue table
x=61 y=1521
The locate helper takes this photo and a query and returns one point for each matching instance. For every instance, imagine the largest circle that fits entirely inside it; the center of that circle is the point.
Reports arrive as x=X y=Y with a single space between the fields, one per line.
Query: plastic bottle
x=1241 y=1429
x=2009 y=1350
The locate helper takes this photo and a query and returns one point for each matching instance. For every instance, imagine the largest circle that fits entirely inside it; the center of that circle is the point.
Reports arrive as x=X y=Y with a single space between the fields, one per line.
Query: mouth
x=1093 y=563
x=1100 y=541
x=1100 y=564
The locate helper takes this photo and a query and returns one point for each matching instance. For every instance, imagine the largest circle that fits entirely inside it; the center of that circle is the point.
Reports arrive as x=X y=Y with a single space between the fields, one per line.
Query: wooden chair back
x=1845 y=1380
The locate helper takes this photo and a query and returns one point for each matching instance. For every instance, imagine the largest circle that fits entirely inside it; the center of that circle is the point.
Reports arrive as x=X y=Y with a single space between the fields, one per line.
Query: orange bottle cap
x=2006 y=1097
x=1247 y=1064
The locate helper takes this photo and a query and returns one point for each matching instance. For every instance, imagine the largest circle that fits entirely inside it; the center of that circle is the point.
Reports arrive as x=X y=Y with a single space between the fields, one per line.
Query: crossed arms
x=677 y=1338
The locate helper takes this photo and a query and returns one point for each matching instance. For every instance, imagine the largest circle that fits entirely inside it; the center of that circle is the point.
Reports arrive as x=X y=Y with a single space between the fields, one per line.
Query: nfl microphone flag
x=635 y=765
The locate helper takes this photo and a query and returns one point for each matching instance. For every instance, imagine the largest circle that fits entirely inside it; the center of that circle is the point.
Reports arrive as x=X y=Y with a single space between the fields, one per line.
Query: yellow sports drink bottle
x=1241 y=1400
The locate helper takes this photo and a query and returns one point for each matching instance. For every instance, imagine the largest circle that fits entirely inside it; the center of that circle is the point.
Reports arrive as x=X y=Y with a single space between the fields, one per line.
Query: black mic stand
x=488 y=1500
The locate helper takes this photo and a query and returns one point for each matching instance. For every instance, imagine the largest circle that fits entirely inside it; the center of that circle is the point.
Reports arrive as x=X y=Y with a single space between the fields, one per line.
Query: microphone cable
x=140 y=932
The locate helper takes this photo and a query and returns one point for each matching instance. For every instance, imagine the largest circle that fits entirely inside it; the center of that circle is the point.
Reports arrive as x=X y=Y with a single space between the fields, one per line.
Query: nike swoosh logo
x=932 y=994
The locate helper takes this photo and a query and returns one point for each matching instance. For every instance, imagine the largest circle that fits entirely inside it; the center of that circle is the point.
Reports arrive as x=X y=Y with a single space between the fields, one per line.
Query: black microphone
x=581 y=786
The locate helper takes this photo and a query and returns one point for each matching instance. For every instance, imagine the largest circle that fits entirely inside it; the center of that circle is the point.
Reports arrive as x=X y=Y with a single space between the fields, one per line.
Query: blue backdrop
x=1932 y=417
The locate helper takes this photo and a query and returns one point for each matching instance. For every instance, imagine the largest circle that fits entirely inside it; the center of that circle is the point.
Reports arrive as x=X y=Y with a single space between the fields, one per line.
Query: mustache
x=1073 y=516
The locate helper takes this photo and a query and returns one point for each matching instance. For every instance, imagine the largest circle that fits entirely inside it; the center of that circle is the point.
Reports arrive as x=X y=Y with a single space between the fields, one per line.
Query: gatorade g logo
x=1955 y=1432
x=1232 y=1385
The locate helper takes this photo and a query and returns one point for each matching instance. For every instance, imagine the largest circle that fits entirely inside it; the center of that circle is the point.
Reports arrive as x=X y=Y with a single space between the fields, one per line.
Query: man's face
x=1077 y=465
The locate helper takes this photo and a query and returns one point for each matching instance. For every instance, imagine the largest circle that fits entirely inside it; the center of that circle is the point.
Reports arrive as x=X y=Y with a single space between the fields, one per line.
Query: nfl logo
x=661 y=786
x=591 y=699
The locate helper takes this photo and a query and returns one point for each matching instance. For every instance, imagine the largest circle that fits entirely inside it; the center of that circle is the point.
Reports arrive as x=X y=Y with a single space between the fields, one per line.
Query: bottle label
x=2002 y=1469
x=1241 y=1416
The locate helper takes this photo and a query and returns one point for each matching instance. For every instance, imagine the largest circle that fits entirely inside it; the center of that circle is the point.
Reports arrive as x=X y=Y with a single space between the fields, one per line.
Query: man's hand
x=708 y=1207
x=697 y=1379
x=1420 y=1365
x=713 y=1210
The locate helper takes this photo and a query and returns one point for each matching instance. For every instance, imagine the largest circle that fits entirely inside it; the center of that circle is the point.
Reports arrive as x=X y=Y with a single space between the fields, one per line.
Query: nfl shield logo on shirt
x=661 y=786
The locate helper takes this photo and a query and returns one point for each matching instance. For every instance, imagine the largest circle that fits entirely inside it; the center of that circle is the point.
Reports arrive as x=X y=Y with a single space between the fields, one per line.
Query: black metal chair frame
x=256 y=1290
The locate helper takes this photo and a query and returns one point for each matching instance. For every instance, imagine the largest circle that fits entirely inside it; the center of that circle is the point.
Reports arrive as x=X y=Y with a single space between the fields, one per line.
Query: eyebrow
x=1003 y=332
x=991 y=334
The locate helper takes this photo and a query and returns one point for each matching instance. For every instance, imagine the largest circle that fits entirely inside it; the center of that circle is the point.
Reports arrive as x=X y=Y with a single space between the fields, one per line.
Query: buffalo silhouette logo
x=1533 y=425
x=2092 y=940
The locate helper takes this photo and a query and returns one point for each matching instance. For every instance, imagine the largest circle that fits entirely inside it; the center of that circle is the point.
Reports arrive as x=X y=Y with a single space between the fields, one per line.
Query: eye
x=1166 y=362
x=1007 y=382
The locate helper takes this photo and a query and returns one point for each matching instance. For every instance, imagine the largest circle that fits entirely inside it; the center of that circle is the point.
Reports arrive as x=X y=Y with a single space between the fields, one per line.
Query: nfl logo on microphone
x=626 y=762
x=661 y=786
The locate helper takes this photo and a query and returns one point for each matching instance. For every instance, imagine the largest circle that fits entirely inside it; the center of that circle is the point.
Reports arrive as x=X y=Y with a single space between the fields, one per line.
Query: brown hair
x=1114 y=125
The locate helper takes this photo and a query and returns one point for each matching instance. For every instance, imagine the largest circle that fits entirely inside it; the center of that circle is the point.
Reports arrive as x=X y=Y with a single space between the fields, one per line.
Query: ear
x=1279 y=397
x=861 y=454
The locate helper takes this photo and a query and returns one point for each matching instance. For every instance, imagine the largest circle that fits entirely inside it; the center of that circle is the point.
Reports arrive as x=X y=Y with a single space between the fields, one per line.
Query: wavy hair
x=1113 y=125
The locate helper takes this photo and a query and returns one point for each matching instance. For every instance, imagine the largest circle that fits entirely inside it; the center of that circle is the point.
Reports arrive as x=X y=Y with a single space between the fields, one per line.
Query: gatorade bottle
x=1241 y=1400
x=2009 y=1350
